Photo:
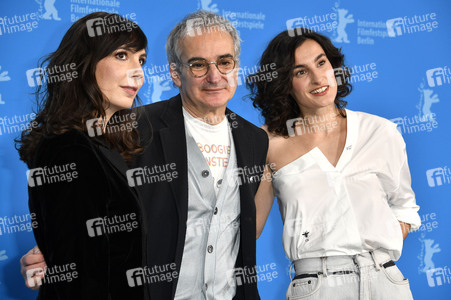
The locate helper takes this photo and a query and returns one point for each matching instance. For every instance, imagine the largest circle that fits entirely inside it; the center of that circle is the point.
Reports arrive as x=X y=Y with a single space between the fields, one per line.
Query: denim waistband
x=340 y=263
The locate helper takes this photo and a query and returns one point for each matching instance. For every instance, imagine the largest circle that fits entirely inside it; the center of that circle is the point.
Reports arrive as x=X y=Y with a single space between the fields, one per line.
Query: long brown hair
x=65 y=105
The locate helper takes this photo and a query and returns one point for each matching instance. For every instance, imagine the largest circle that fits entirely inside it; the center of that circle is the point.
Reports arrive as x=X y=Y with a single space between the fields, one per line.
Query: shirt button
x=216 y=210
x=210 y=249
x=218 y=184
x=205 y=173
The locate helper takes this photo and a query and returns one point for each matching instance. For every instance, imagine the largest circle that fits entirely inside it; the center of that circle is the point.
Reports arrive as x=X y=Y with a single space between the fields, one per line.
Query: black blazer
x=166 y=203
x=99 y=189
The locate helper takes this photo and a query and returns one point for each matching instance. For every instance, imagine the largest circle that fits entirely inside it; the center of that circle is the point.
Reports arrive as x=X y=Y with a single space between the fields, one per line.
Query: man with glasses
x=201 y=223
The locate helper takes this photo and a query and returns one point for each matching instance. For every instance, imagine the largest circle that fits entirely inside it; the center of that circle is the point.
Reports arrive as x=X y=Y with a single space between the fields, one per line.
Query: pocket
x=394 y=275
x=302 y=288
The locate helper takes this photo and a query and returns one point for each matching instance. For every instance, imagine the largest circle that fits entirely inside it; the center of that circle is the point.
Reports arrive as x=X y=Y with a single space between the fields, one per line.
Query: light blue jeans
x=358 y=277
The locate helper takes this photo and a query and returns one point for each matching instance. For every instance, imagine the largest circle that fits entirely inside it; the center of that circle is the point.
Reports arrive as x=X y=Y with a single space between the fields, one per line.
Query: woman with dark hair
x=88 y=221
x=341 y=177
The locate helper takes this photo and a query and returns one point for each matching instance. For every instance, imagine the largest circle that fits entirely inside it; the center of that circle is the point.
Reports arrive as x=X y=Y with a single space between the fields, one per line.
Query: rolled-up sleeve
x=402 y=199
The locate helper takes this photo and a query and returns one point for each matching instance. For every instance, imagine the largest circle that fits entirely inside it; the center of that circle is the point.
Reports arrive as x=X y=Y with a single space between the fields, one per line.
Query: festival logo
x=344 y=18
x=47 y=10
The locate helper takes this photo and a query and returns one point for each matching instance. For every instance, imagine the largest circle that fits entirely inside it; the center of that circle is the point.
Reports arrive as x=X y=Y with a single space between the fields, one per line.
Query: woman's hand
x=405 y=229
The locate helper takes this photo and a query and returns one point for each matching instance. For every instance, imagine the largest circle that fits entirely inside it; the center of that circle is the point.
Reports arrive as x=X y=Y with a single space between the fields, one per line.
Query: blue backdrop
x=398 y=52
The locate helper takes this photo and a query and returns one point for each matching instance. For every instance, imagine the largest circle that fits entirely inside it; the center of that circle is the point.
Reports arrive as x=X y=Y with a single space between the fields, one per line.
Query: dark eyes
x=122 y=55
x=301 y=72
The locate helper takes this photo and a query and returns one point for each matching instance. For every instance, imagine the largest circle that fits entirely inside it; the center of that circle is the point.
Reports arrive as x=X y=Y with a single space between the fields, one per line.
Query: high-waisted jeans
x=364 y=276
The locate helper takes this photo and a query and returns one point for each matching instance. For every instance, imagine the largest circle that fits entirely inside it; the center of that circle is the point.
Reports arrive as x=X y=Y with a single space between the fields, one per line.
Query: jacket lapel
x=173 y=140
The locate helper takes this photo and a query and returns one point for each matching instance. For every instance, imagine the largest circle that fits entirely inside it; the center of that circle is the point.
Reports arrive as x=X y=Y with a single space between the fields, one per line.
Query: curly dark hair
x=65 y=105
x=273 y=97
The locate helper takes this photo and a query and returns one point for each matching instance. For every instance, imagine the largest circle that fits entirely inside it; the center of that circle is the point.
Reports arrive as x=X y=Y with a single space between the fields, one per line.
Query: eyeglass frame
x=235 y=60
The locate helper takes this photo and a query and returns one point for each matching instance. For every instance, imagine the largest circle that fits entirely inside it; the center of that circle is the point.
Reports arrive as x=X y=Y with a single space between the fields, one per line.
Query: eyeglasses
x=200 y=67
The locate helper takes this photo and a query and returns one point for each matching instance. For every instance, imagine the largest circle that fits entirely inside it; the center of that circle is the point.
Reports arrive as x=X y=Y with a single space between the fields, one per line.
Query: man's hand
x=30 y=261
x=405 y=229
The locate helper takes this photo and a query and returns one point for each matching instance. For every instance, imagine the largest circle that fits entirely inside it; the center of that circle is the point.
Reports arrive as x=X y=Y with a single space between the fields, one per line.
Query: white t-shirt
x=213 y=142
x=355 y=206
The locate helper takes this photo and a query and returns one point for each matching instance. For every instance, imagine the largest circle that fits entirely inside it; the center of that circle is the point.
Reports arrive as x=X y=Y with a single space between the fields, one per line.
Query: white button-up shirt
x=354 y=207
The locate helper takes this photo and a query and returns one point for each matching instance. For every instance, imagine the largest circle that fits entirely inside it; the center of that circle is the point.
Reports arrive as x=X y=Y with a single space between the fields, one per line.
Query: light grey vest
x=213 y=229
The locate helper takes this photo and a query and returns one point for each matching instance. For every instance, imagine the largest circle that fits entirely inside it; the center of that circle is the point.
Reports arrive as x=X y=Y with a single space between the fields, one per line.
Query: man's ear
x=175 y=76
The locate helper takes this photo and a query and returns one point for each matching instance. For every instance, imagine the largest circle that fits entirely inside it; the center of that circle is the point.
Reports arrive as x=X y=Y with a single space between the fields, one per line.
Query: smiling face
x=314 y=84
x=119 y=77
x=212 y=91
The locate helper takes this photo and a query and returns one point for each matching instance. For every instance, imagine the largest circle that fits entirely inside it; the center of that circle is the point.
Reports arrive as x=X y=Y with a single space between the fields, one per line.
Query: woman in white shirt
x=341 y=177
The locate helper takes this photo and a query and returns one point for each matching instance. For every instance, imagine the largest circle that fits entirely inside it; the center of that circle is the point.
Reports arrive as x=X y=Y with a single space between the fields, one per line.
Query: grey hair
x=191 y=23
